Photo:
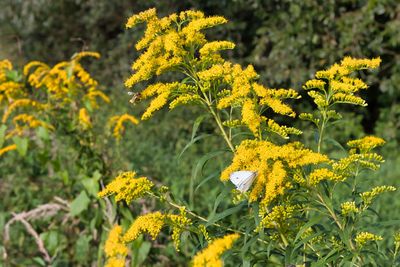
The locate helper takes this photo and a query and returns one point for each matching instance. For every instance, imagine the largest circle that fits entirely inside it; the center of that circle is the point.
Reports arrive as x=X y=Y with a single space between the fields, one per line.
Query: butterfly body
x=243 y=179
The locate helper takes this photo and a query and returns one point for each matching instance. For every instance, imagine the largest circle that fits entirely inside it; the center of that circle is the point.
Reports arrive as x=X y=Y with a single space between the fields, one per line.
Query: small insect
x=243 y=179
x=135 y=97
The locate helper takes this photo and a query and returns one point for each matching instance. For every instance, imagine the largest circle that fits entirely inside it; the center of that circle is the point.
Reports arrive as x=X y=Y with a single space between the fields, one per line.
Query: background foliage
x=286 y=41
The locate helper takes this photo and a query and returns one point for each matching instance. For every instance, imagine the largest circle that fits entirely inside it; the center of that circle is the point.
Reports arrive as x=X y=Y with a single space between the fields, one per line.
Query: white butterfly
x=243 y=179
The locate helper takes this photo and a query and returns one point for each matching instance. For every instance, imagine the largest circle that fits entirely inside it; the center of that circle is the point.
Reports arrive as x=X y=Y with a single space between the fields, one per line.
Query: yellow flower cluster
x=317 y=175
x=211 y=256
x=278 y=218
x=273 y=164
x=367 y=143
x=7 y=149
x=84 y=119
x=177 y=43
x=115 y=249
x=21 y=103
x=365 y=237
x=179 y=223
x=150 y=223
x=119 y=127
x=66 y=79
x=369 y=196
x=28 y=120
x=126 y=186
x=334 y=85
x=348 y=208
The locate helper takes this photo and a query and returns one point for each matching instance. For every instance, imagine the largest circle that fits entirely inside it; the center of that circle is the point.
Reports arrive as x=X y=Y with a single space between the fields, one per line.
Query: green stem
x=201 y=218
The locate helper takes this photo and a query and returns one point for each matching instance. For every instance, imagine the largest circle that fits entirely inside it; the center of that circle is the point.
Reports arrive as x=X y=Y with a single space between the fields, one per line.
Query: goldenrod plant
x=294 y=203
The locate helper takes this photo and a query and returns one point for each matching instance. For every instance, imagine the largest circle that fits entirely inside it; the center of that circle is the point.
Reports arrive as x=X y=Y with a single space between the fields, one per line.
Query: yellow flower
x=7 y=149
x=367 y=143
x=365 y=237
x=126 y=186
x=179 y=223
x=150 y=223
x=349 y=207
x=369 y=196
x=272 y=163
x=31 y=121
x=278 y=218
x=319 y=175
x=114 y=246
x=119 y=127
x=80 y=55
x=210 y=256
x=84 y=119
x=213 y=47
x=21 y=103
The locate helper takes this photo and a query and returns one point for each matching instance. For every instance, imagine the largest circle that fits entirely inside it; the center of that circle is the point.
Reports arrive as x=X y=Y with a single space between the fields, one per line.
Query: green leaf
x=79 y=204
x=225 y=213
x=143 y=252
x=91 y=184
x=82 y=248
x=22 y=145
x=3 y=129
x=42 y=133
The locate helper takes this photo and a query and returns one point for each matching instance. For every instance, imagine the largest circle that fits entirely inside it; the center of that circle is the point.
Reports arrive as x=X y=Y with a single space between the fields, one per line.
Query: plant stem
x=201 y=218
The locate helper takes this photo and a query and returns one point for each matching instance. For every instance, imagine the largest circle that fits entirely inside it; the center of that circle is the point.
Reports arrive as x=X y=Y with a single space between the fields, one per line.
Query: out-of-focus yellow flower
x=114 y=248
x=211 y=256
x=21 y=103
x=84 y=119
x=118 y=122
x=126 y=186
x=31 y=121
x=7 y=149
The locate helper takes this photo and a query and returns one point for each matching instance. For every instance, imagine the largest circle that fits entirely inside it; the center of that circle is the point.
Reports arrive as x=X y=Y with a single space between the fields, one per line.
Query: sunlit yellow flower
x=367 y=143
x=272 y=163
x=211 y=256
x=319 y=175
x=150 y=223
x=126 y=186
x=114 y=248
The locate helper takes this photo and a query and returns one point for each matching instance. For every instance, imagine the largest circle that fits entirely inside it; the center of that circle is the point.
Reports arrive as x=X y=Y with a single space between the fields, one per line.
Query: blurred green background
x=285 y=40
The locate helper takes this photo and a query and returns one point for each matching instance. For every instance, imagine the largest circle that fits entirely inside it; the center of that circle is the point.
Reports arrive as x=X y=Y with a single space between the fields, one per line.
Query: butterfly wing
x=243 y=179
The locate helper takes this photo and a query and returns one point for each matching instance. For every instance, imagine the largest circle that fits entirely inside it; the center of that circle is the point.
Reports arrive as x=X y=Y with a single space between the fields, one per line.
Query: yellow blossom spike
x=212 y=254
x=126 y=186
x=369 y=196
x=21 y=103
x=277 y=218
x=7 y=149
x=114 y=248
x=150 y=223
x=141 y=17
x=84 y=119
x=318 y=175
x=118 y=122
x=348 y=208
x=80 y=55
